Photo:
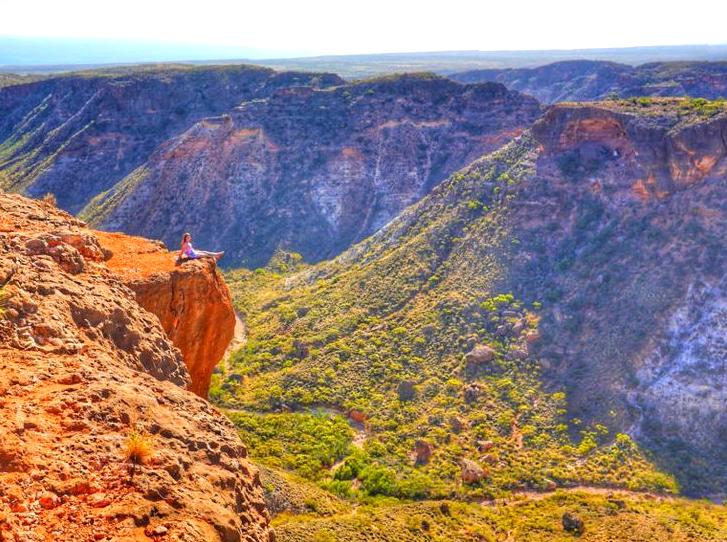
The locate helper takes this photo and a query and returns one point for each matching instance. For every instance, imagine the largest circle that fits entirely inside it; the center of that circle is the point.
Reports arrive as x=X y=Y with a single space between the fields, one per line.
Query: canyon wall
x=311 y=171
x=576 y=80
x=78 y=134
x=633 y=272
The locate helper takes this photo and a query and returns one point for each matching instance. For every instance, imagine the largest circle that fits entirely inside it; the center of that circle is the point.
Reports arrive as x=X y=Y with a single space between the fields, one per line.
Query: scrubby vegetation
x=704 y=107
x=674 y=111
x=352 y=332
x=687 y=107
x=307 y=443
x=605 y=518
x=9 y=79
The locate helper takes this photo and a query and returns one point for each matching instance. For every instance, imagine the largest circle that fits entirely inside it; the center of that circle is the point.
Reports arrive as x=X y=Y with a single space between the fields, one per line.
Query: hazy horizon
x=55 y=55
x=85 y=32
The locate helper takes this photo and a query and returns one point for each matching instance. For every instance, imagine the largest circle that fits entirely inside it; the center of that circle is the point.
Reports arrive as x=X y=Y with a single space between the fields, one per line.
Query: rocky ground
x=85 y=372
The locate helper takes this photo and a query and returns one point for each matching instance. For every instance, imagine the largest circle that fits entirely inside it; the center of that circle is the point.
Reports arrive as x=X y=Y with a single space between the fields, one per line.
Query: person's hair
x=185 y=237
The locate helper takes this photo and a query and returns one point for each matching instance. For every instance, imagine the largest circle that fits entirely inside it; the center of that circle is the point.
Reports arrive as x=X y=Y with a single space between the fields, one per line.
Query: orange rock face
x=191 y=300
x=660 y=152
x=85 y=372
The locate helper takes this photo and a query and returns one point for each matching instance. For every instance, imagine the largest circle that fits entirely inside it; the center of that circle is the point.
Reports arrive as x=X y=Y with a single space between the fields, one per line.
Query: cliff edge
x=191 y=300
x=86 y=374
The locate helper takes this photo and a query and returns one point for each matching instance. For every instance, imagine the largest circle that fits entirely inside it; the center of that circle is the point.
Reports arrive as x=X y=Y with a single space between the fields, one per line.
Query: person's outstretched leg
x=205 y=254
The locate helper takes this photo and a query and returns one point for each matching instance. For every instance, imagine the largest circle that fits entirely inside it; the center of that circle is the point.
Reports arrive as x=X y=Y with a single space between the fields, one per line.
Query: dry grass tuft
x=139 y=447
x=50 y=199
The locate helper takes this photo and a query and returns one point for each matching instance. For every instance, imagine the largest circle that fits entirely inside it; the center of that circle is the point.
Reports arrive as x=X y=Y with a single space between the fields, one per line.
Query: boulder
x=406 y=390
x=518 y=327
x=49 y=500
x=573 y=524
x=457 y=424
x=517 y=353
x=472 y=473
x=423 y=451
x=357 y=416
x=472 y=392
x=300 y=349
x=480 y=354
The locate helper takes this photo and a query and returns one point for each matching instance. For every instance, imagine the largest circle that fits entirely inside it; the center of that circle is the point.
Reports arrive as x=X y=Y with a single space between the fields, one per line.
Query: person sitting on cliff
x=188 y=252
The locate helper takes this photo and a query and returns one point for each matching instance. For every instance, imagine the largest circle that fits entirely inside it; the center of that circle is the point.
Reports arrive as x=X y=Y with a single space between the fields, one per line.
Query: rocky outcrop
x=85 y=370
x=578 y=80
x=572 y=523
x=480 y=354
x=311 y=171
x=672 y=146
x=191 y=300
x=78 y=135
x=423 y=451
x=472 y=473
x=686 y=380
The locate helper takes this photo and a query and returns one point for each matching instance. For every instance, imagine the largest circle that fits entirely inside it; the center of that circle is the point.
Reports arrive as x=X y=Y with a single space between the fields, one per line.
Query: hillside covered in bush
x=513 y=331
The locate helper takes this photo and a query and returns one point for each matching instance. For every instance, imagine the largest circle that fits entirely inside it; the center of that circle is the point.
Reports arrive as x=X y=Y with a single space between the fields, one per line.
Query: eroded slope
x=76 y=135
x=311 y=170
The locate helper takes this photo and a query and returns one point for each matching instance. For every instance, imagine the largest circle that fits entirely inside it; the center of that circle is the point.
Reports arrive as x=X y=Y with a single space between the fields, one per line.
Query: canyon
x=311 y=171
x=85 y=371
x=583 y=262
x=456 y=302
x=238 y=154
x=77 y=134
x=590 y=80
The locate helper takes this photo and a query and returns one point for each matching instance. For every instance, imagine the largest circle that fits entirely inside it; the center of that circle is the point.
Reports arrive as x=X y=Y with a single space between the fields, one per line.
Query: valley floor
x=606 y=516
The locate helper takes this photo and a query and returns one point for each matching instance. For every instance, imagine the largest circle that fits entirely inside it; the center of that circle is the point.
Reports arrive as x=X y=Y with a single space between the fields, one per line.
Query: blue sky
x=279 y=28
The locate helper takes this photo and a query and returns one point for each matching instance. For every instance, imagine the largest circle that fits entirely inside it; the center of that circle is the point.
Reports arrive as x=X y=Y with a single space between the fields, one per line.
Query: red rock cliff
x=669 y=145
x=82 y=368
x=191 y=301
